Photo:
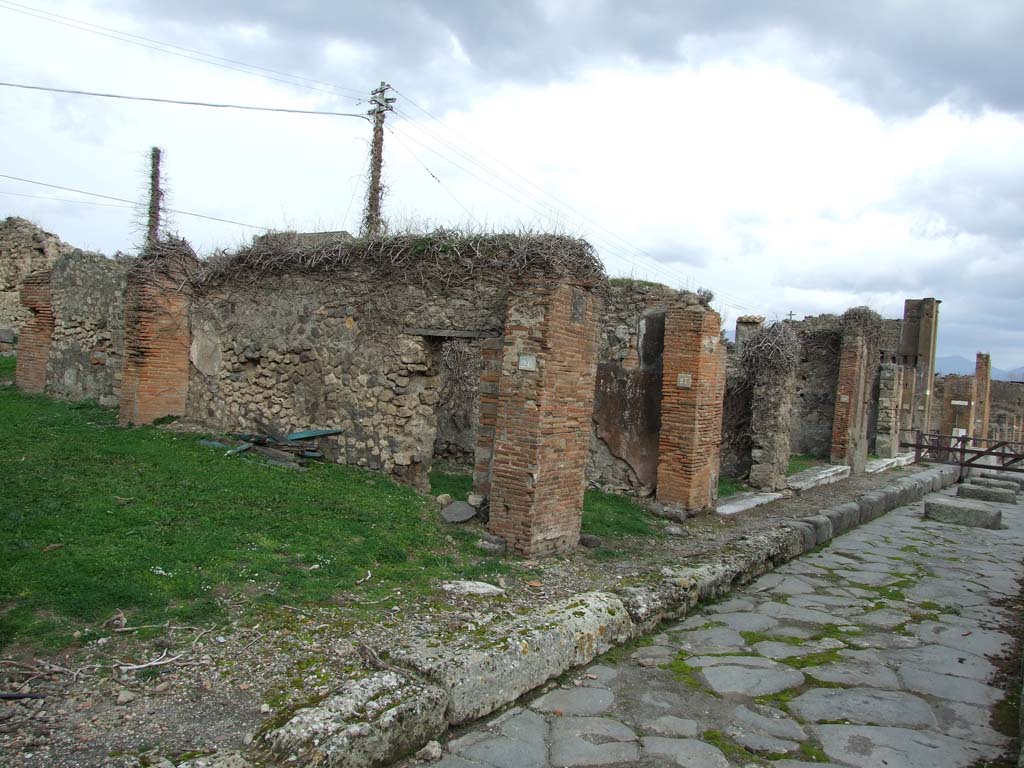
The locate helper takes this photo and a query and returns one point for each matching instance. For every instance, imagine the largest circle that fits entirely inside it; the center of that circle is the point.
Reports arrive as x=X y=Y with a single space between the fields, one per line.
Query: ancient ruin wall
x=623 y=453
x=288 y=337
x=87 y=343
x=1007 y=410
x=817 y=378
x=24 y=249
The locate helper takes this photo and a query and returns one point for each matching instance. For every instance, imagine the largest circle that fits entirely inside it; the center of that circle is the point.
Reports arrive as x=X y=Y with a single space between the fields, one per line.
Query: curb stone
x=387 y=715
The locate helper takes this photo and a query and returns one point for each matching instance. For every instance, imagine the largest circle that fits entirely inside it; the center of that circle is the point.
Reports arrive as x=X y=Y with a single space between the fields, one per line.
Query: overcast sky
x=790 y=156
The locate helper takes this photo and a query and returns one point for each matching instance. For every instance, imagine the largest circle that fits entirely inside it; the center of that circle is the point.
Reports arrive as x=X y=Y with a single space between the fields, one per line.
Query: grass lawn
x=96 y=518
x=798 y=462
x=729 y=486
x=604 y=514
x=7 y=367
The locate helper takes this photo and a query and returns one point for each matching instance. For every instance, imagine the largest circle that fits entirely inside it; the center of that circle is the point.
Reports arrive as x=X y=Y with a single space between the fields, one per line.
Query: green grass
x=7 y=364
x=452 y=479
x=798 y=462
x=116 y=509
x=729 y=486
x=614 y=516
x=604 y=514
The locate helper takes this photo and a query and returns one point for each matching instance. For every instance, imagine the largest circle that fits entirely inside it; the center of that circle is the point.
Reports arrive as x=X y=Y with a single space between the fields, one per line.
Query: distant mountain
x=961 y=366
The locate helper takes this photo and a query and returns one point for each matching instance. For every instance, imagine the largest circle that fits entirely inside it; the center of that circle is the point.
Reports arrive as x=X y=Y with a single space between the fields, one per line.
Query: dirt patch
x=214 y=687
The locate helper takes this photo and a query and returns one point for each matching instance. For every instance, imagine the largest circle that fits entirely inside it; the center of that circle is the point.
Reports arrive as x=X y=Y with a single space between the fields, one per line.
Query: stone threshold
x=815 y=476
x=741 y=502
x=423 y=689
x=881 y=465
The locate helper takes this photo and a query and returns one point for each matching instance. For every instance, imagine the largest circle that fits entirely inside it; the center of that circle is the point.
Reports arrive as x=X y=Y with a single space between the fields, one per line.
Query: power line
x=433 y=175
x=65 y=200
x=131 y=202
x=144 y=42
x=627 y=249
x=181 y=102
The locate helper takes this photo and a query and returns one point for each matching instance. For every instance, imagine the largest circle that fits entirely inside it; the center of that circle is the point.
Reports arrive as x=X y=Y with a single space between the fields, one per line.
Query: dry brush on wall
x=297 y=332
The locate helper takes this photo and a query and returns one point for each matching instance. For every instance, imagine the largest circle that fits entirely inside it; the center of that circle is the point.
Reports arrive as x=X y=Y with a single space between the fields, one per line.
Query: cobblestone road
x=878 y=651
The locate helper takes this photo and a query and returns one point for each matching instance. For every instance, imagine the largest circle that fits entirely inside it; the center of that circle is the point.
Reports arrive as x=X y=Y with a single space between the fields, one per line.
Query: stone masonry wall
x=817 y=378
x=87 y=345
x=1007 y=399
x=546 y=401
x=627 y=400
x=771 y=405
x=24 y=249
x=887 y=424
x=303 y=351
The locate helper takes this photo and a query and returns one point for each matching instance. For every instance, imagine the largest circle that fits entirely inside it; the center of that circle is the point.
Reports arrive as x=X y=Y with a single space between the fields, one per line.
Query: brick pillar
x=983 y=388
x=959 y=395
x=542 y=425
x=887 y=426
x=36 y=334
x=156 y=343
x=693 y=388
x=849 y=423
x=490 y=377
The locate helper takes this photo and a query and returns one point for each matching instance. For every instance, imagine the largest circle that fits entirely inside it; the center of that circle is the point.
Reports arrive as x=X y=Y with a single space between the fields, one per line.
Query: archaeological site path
x=888 y=648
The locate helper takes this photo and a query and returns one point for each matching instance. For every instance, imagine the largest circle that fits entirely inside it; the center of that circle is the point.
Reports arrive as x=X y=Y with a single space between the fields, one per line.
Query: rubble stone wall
x=24 y=249
x=817 y=378
x=301 y=352
x=87 y=344
x=1007 y=408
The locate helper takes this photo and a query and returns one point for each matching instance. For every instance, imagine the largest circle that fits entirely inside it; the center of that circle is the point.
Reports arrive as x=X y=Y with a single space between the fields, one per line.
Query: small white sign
x=527 y=362
x=959 y=402
x=684 y=381
x=844 y=398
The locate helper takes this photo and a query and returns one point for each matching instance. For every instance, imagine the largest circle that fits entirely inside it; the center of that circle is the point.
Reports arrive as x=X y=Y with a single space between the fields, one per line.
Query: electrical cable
x=132 y=202
x=121 y=36
x=215 y=105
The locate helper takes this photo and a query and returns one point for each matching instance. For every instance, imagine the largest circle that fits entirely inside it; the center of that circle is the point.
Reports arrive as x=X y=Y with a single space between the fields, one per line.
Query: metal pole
x=375 y=190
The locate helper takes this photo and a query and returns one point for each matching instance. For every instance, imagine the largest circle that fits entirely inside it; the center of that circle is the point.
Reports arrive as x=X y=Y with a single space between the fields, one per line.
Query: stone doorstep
x=464 y=683
x=880 y=465
x=742 y=502
x=815 y=476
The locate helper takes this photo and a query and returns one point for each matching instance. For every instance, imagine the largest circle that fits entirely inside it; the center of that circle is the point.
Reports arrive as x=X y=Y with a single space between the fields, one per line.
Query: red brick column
x=849 y=425
x=156 y=343
x=692 y=392
x=490 y=376
x=983 y=388
x=542 y=425
x=36 y=334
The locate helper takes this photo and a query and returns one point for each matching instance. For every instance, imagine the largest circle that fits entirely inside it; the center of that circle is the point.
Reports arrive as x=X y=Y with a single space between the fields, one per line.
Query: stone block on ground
x=989 y=482
x=963 y=512
x=458 y=512
x=871 y=505
x=1010 y=477
x=981 y=493
x=815 y=476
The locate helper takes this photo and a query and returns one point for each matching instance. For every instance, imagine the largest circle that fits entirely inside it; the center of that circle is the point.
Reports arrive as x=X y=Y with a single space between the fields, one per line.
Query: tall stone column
x=36 y=335
x=849 y=425
x=983 y=390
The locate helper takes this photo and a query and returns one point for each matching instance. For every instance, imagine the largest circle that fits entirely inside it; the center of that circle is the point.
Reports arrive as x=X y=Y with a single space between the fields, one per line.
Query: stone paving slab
x=881 y=650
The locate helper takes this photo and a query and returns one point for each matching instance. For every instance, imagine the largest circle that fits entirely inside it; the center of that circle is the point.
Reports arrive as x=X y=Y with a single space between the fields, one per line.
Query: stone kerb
x=473 y=677
x=542 y=422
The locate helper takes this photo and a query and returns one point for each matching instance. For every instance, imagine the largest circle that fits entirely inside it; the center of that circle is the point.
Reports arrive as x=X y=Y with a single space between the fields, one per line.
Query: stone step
x=981 y=493
x=975 y=514
x=741 y=502
x=815 y=476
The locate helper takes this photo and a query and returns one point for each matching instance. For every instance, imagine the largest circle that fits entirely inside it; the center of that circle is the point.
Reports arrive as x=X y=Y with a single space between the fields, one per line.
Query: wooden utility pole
x=156 y=197
x=375 y=191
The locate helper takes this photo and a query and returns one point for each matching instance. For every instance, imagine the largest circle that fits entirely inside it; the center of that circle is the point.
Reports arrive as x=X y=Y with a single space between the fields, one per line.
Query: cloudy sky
x=791 y=156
